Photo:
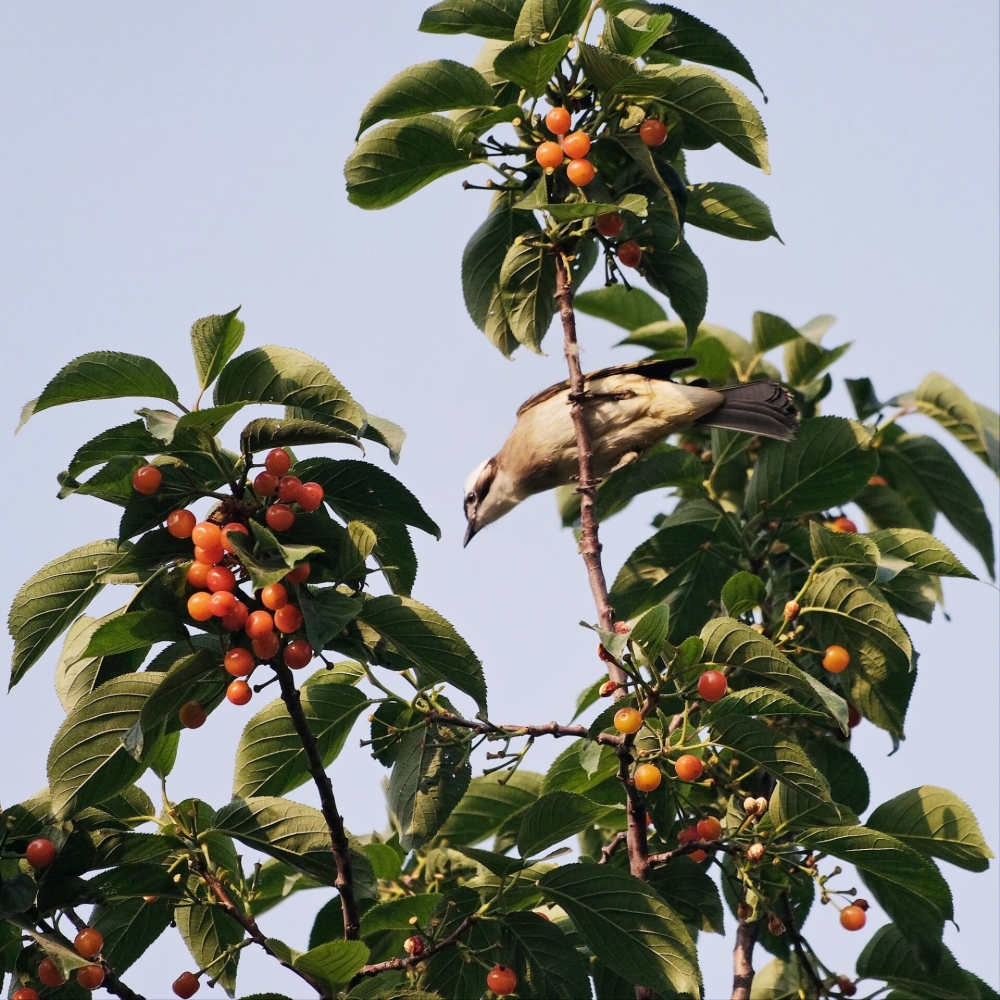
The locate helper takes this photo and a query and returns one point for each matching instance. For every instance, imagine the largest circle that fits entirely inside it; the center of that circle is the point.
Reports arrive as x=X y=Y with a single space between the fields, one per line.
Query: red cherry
x=279 y=517
x=311 y=497
x=210 y=557
x=548 y=155
x=197 y=574
x=843 y=524
x=49 y=974
x=278 y=461
x=232 y=526
x=265 y=484
x=186 y=985
x=558 y=121
x=206 y=535
x=274 y=596
x=239 y=692
x=609 y=225
x=289 y=489
x=90 y=977
x=180 y=523
x=220 y=578
x=712 y=685
x=25 y=993
x=288 y=619
x=147 y=479
x=259 y=623
x=238 y=662
x=688 y=767
x=199 y=606
x=653 y=132
x=236 y=618
x=300 y=574
x=223 y=603
x=192 y=715
x=88 y=942
x=854 y=717
x=580 y=172
x=266 y=646
x=878 y=481
x=501 y=980
x=709 y=828
x=629 y=254
x=298 y=654
x=40 y=853
x=576 y=145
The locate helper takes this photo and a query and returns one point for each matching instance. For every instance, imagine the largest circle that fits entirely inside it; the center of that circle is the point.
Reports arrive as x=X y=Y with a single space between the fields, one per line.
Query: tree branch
x=798 y=944
x=548 y=729
x=689 y=848
x=111 y=981
x=410 y=961
x=746 y=938
x=339 y=845
x=608 y=849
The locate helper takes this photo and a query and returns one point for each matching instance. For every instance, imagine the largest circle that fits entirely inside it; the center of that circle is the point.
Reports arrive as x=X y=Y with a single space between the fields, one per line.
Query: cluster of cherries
x=212 y=577
x=580 y=171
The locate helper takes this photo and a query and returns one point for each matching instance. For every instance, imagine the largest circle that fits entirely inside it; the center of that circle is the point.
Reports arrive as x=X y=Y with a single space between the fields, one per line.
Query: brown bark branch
x=746 y=938
x=111 y=981
x=689 y=848
x=394 y=964
x=608 y=849
x=548 y=729
x=339 y=845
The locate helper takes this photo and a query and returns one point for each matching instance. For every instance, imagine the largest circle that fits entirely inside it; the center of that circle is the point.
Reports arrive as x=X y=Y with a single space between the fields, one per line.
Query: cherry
x=854 y=717
x=608 y=688
x=206 y=535
x=558 y=121
x=278 y=461
x=835 y=659
x=755 y=853
x=279 y=517
x=49 y=974
x=580 y=172
x=744 y=911
x=878 y=481
x=232 y=526
x=274 y=596
x=25 y=993
x=775 y=926
x=628 y=721
x=653 y=132
x=688 y=767
x=265 y=484
x=630 y=253
x=847 y=986
x=792 y=610
x=288 y=619
x=843 y=524
x=239 y=692
x=220 y=578
x=414 y=946
x=147 y=479
x=548 y=155
x=298 y=654
x=197 y=574
x=266 y=646
x=853 y=918
x=192 y=715
x=289 y=489
x=90 y=977
x=609 y=225
x=186 y=985
x=501 y=980
x=687 y=835
x=180 y=523
x=647 y=777
x=236 y=618
x=210 y=557
x=223 y=603
x=238 y=662
x=40 y=853
x=199 y=606
x=300 y=574
x=712 y=685
x=259 y=623
x=88 y=942
x=311 y=497
x=709 y=828
x=576 y=145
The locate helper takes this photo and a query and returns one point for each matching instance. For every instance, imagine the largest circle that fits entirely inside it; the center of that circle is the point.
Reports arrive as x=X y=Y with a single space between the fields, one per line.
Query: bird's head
x=489 y=494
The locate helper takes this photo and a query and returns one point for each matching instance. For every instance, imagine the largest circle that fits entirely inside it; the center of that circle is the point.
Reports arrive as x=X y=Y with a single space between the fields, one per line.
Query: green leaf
x=923 y=550
x=266 y=433
x=287 y=377
x=842 y=770
x=326 y=612
x=862 y=393
x=544 y=19
x=936 y=823
x=398 y=158
x=396 y=914
x=527 y=292
x=213 y=341
x=627 y=308
x=729 y=210
x=825 y=466
x=130 y=928
x=126 y=440
x=846 y=613
x=134 y=630
x=554 y=817
x=46 y=604
x=710 y=103
x=268 y=561
x=546 y=962
x=428 y=641
x=438 y=85
x=742 y=593
x=270 y=759
x=486 y=18
x=804 y=360
x=688 y=38
x=604 y=69
x=757 y=701
x=690 y=893
x=674 y=269
x=103 y=375
x=208 y=933
x=386 y=433
x=771 y=331
x=88 y=762
x=571 y=211
x=778 y=980
x=430 y=776
x=626 y=926
x=488 y=805
x=633 y=33
x=482 y=123
x=651 y=631
x=530 y=64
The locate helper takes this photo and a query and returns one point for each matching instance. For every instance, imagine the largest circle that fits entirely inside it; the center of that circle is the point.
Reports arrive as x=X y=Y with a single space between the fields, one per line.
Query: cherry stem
x=394 y=964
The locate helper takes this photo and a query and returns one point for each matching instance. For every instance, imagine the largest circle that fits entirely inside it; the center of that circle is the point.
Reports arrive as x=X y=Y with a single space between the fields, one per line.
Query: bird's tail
x=765 y=407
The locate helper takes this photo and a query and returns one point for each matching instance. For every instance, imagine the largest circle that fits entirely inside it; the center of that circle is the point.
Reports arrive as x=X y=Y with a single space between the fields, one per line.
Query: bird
x=628 y=409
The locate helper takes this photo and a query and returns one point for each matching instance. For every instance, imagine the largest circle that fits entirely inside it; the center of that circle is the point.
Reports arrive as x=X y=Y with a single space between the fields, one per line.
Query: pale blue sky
x=161 y=162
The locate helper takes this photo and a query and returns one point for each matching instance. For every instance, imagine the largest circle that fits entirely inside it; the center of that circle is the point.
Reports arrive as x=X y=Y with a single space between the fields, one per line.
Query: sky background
x=165 y=161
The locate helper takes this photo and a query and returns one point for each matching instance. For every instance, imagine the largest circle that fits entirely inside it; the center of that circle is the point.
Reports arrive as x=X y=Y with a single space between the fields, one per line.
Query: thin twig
x=689 y=848
x=504 y=731
x=616 y=841
x=746 y=938
x=339 y=844
x=409 y=962
x=797 y=943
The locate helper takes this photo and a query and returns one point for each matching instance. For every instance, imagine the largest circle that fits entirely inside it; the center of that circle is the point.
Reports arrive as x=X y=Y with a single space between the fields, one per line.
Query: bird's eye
x=470 y=497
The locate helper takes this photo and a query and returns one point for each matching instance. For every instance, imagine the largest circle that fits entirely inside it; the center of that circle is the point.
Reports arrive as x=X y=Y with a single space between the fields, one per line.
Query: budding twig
x=504 y=731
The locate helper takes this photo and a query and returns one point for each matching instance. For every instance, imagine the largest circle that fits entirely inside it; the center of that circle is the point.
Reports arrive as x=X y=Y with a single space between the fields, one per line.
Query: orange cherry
x=852 y=918
x=40 y=853
x=220 y=578
x=709 y=828
x=288 y=619
x=712 y=685
x=576 y=145
x=300 y=574
x=548 y=155
x=147 y=479
x=628 y=721
x=192 y=715
x=647 y=777
x=259 y=623
x=265 y=484
x=238 y=662
x=88 y=942
x=835 y=659
x=232 y=526
x=501 y=980
x=274 y=596
x=265 y=647
x=49 y=974
x=239 y=692
x=580 y=172
x=211 y=556
x=688 y=767
x=90 y=977
x=236 y=618
x=180 y=523
x=197 y=574
x=199 y=606
x=206 y=535
x=558 y=121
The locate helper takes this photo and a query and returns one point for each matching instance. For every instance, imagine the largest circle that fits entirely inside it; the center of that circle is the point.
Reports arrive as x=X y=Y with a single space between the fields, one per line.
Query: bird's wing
x=656 y=369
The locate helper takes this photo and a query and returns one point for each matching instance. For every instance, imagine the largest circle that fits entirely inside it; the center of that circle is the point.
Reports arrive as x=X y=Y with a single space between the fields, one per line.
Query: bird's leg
x=627 y=459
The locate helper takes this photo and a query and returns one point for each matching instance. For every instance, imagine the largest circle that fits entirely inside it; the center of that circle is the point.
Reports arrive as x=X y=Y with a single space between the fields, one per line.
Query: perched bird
x=628 y=409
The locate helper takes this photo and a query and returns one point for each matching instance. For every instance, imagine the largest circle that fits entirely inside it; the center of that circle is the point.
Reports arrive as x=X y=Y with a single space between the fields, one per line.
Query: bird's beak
x=470 y=530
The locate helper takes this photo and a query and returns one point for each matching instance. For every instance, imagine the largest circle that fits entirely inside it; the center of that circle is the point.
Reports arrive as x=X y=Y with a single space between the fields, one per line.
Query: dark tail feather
x=764 y=408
